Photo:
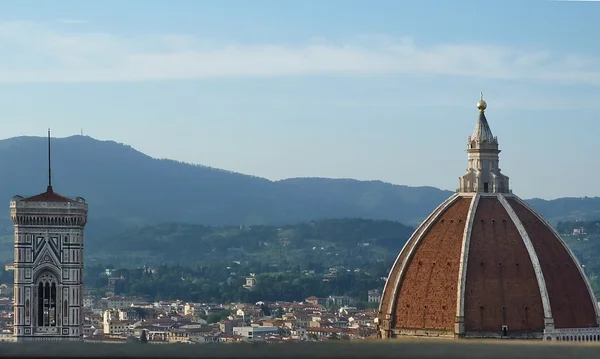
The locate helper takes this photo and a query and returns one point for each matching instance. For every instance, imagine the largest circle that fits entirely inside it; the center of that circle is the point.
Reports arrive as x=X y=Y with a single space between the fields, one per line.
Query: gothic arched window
x=46 y=300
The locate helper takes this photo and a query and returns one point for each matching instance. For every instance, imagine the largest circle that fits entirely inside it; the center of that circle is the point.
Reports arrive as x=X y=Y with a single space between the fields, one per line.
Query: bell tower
x=483 y=171
x=48 y=264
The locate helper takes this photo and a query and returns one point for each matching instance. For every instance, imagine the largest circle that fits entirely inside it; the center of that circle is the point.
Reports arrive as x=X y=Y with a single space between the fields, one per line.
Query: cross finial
x=481 y=105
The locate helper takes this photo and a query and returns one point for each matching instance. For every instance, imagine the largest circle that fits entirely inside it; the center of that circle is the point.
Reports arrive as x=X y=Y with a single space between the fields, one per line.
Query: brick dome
x=485 y=265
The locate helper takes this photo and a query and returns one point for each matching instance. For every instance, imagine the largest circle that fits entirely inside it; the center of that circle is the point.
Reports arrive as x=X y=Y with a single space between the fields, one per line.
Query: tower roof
x=48 y=196
x=482 y=130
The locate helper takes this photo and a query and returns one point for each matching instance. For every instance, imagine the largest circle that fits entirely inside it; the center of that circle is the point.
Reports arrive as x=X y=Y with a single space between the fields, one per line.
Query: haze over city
x=383 y=91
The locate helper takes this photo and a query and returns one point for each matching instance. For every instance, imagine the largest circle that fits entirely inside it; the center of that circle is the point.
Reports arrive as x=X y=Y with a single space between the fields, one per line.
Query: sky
x=371 y=90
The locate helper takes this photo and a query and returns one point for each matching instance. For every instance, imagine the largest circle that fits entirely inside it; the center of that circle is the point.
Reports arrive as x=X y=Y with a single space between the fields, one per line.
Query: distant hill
x=350 y=242
x=568 y=208
x=126 y=187
x=585 y=243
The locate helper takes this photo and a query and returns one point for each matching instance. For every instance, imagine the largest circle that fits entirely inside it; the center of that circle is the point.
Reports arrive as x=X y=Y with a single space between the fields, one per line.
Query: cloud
x=40 y=53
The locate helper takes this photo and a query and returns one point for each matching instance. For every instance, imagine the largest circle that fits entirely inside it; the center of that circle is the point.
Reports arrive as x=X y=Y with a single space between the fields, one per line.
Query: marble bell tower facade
x=48 y=264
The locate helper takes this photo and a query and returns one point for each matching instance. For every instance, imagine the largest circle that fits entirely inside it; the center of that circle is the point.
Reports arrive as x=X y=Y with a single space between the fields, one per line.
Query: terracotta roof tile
x=427 y=294
x=570 y=299
x=48 y=196
x=501 y=287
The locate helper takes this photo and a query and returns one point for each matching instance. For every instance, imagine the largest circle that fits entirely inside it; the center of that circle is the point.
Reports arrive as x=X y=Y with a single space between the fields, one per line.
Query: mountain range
x=126 y=188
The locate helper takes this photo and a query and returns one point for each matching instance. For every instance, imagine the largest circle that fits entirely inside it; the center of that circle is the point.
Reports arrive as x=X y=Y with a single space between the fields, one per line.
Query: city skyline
x=341 y=90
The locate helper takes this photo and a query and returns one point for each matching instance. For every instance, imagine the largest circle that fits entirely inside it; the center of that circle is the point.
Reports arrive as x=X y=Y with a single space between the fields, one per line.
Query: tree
x=218 y=316
x=265 y=309
x=143 y=338
x=213 y=318
x=367 y=305
x=280 y=312
x=142 y=313
x=361 y=305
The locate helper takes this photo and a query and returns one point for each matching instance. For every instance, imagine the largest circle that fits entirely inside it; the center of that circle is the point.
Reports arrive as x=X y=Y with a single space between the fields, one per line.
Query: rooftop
x=48 y=196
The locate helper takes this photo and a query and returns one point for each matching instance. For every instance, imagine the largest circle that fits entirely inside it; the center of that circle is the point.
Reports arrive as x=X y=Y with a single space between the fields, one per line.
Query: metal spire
x=49 y=165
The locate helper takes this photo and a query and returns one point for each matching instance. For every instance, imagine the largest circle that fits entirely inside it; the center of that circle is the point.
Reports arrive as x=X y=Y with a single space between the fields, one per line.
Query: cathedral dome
x=485 y=265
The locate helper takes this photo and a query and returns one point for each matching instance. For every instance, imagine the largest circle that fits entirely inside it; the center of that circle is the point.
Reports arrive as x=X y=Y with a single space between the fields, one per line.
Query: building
x=250 y=282
x=7 y=336
x=374 y=296
x=117 y=302
x=253 y=332
x=189 y=309
x=319 y=302
x=88 y=301
x=227 y=326
x=339 y=300
x=486 y=265
x=192 y=336
x=48 y=264
x=578 y=231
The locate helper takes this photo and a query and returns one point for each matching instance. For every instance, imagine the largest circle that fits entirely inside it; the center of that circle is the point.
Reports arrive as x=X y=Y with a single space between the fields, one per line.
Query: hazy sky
x=339 y=88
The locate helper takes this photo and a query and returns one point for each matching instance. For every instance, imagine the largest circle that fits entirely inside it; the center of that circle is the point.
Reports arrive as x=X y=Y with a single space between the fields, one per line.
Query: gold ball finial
x=481 y=105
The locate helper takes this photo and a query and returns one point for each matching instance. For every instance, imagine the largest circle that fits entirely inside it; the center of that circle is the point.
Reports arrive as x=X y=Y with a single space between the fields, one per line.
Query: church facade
x=48 y=265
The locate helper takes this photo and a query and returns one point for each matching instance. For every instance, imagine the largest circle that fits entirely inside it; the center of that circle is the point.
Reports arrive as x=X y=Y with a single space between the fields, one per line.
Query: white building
x=250 y=282
x=299 y=333
x=88 y=302
x=373 y=296
x=48 y=265
x=339 y=300
x=118 y=302
x=189 y=309
x=255 y=331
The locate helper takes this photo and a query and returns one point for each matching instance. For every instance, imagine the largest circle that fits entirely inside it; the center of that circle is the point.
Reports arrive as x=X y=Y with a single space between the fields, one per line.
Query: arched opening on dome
x=46 y=299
